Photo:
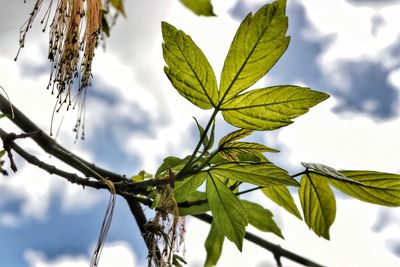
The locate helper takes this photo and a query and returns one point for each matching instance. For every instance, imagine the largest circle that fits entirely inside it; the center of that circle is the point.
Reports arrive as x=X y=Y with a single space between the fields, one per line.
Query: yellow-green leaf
x=257 y=173
x=119 y=6
x=229 y=214
x=259 y=42
x=213 y=246
x=188 y=185
x=199 y=7
x=270 y=108
x=188 y=69
x=318 y=203
x=261 y=218
x=281 y=196
x=376 y=187
x=233 y=136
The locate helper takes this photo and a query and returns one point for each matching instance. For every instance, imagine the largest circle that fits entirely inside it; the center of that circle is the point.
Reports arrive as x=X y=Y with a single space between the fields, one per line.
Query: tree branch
x=277 y=250
x=123 y=187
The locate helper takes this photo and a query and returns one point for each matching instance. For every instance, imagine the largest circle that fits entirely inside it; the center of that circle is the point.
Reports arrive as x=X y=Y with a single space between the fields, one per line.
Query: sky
x=347 y=48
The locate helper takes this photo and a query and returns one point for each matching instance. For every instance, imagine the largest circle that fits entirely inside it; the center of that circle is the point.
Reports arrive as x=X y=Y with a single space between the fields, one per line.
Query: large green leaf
x=188 y=69
x=259 y=42
x=261 y=218
x=229 y=214
x=281 y=196
x=270 y=108
x=318 y=203
x=376 y=187
x=199 y=7
x=213 y=245
x=188 y=185
x=258 y=173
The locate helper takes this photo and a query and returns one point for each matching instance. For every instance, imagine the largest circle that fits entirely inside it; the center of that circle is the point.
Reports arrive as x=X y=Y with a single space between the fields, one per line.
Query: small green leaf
x=195 y=197
x=171 y=163
x=119 y=6
x=248 y=148
x=229 y=214
x=318 y=203
x=188 y=69
x=2 y=152
x=233 y=136
x=281 y=196
x=258 y=44
x=261 y=218
x=376 y=187
x=270 y=108
x=213 y=246
x=177 y=261
x=257 y=173
x=141 y=176
x=188 y=185
x=199 y=7
x=104 y=25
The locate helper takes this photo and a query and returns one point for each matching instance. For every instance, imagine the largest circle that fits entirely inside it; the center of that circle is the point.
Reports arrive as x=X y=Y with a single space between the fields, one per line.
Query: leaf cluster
x=215 y=176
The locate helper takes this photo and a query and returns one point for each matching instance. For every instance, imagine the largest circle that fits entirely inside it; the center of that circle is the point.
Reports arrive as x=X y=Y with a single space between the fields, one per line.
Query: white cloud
x=114 y=254
x=344 y=143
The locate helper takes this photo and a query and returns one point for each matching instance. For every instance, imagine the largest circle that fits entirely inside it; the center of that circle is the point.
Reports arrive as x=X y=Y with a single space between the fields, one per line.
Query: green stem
x=189 y=164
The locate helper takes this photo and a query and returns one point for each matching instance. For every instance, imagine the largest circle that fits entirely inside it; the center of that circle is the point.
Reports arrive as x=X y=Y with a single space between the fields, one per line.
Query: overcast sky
x=347 y=48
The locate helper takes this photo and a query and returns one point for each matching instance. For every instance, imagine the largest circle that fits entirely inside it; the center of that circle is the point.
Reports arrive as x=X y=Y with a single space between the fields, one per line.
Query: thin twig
x=273 y=248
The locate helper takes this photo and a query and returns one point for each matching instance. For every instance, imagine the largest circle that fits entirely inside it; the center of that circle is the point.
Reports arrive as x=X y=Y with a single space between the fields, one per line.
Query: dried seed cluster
x=74 y=34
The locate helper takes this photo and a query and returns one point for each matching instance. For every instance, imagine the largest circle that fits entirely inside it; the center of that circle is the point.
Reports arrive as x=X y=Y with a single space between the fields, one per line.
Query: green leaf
x=199 y=7
x=233 y=136
x=270 y=108
x=281 y=196
x=318 y=203
x=177 y=261
x=248 y=148
x=213 y=246
x=229 y=214
x=258 y=173
x=119 y=6
x=195 y=197
x=188 y=185
x=188 y=69
x=141 y=176
x=329 y=172
x=258 y=44
x=171 y=163
x=2 y=152
x=376 y=187
x=261 y=218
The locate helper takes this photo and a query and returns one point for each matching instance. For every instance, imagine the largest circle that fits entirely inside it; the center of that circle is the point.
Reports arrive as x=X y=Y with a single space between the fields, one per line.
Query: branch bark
x=49 y=145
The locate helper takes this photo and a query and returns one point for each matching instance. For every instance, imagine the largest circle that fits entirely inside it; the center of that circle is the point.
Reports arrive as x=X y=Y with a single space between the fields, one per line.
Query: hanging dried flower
x=75 y=30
